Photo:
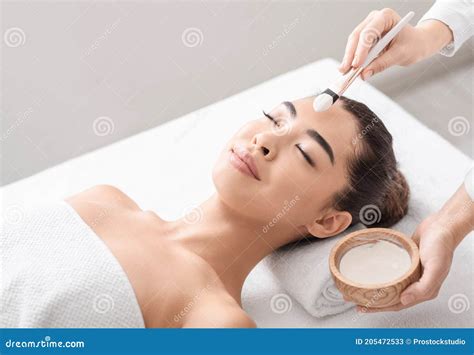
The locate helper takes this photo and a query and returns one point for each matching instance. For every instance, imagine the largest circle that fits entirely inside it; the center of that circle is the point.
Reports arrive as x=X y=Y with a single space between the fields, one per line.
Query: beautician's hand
x=437 y=238
x=411 y=45
x=436 y=254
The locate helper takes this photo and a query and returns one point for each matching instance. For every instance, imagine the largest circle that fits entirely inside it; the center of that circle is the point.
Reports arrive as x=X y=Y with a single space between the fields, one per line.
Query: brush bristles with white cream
x=322 y=102
x=328 y=97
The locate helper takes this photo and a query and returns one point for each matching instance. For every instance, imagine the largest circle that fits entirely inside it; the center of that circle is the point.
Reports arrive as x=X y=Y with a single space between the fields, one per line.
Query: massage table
x=167 y=169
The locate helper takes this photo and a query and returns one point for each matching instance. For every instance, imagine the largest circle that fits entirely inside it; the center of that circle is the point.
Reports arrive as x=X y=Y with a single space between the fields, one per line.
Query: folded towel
x=57 y=273
x=303 y=271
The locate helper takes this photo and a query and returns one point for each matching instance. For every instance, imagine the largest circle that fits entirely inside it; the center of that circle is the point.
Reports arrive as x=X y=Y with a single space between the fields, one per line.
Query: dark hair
x=377 y=193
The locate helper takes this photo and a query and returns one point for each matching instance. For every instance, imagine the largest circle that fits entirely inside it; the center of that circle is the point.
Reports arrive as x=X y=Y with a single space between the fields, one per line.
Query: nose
x=263 y=142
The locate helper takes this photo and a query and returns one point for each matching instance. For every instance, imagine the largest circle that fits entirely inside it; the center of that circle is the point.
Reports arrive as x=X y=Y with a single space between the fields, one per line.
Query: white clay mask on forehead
x=375 y=263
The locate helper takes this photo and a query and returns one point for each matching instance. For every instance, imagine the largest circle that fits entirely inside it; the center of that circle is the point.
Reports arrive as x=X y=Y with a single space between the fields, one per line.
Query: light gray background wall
x=67 y=65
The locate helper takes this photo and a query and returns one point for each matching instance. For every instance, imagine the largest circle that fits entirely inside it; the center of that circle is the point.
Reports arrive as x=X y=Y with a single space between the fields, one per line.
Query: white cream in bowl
x=375 y=263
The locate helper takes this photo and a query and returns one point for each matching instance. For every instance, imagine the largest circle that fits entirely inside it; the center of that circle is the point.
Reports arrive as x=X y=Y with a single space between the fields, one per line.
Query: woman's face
x=295 y=162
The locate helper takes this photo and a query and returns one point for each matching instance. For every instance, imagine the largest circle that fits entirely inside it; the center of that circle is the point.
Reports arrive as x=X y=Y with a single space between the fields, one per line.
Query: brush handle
x=346 y=80
x=341 y=85
x=380 y=45
x=349 y=79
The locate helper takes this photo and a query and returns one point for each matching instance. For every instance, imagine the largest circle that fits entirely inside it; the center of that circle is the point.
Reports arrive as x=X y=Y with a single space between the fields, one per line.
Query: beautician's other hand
x=437 y=238
x=436 y=254
x=410 y=46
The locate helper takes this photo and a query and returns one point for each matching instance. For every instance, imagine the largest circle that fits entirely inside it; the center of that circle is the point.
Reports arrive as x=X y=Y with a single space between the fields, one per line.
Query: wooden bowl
x=378 y=295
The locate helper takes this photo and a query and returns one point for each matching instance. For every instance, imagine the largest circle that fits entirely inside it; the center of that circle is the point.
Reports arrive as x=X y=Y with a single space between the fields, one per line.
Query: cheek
x=306 y=193
x=282 y=195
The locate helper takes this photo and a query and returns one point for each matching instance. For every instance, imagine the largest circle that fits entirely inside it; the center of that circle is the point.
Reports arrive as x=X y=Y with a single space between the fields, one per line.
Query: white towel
x=303 y=271
x=57 y=273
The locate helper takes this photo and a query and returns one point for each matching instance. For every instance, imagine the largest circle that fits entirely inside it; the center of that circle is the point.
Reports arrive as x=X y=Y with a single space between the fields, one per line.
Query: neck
x=232 y=244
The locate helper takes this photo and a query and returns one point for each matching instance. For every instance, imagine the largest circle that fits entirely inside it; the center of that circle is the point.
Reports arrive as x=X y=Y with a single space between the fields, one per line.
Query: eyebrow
x=290 y=107
x=311 y=132
x=319 y=138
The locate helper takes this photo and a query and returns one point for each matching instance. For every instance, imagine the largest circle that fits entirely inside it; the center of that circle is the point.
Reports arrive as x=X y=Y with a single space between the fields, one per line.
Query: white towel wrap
x=57 y=273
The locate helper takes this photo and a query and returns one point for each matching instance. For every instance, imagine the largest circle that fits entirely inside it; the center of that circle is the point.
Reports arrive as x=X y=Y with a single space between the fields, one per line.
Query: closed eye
x=270 y=118
x=306 y=156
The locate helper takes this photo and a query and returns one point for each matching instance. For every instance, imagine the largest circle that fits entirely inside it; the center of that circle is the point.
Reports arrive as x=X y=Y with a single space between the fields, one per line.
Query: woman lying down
x=98 y=260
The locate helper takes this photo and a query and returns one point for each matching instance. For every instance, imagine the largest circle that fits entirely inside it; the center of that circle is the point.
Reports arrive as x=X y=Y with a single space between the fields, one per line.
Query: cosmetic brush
x=328 y=97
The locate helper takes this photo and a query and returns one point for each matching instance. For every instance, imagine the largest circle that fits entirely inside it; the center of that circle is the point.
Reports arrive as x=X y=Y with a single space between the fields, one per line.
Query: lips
x=242 y=154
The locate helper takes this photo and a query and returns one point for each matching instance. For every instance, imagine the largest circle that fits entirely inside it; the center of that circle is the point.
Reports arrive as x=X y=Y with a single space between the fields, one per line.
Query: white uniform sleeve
x=458 y=15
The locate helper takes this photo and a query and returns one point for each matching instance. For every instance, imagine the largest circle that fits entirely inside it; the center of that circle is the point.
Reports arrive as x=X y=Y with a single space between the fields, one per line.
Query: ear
x=330 y=224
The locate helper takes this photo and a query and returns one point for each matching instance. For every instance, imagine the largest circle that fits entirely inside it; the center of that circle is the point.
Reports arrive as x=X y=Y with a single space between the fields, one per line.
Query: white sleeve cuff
x=469 y=183
x=458 y=15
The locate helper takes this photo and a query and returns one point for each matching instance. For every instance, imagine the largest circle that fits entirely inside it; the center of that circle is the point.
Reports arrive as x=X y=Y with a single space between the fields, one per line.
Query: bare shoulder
x=219 y=315
x=103 y=194
x=235 y=318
